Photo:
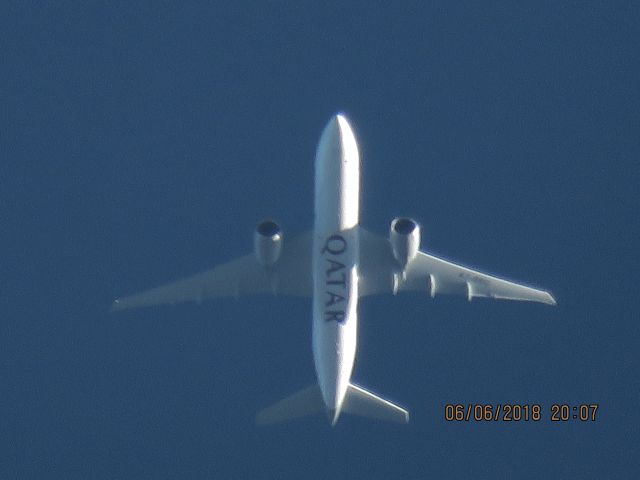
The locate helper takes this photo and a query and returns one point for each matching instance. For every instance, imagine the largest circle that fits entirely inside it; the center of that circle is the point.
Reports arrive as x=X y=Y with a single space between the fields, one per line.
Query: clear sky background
x=141 y=143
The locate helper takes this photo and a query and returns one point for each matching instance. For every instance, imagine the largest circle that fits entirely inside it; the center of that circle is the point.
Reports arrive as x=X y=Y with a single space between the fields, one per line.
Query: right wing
x=427 y=273
x=291 y=275
x=444 y=277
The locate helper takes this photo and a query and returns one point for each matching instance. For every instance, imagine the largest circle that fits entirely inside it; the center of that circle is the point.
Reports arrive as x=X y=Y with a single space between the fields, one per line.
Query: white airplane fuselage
x=335 y=261
x=338 y=278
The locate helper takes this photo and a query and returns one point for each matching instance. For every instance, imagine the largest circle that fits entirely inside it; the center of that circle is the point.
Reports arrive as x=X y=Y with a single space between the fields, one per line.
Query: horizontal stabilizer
x=305 y=402
x=364 y=403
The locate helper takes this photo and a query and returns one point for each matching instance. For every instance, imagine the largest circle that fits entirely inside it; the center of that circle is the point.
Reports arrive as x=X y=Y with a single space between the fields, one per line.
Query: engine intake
x=267 y=243
x=404 y=235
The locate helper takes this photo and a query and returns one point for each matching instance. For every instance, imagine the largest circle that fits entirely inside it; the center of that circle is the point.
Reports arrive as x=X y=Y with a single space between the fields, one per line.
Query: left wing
x=291 y=275
x=379 y=273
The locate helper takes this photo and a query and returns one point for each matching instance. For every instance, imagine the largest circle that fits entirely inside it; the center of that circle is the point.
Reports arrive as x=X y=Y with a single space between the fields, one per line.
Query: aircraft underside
x=335 y=264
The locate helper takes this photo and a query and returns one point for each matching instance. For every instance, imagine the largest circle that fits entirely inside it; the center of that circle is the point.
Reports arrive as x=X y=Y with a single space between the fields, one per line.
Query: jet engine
x=267 y=243
x=404 y=235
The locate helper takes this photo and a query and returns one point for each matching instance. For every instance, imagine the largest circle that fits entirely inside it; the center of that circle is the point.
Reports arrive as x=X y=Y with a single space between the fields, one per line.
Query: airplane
x=335 y=264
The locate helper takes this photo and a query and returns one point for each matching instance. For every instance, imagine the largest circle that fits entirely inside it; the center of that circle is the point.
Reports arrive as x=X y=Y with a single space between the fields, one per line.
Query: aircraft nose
x=339 y=118
x=331 y=134
x=337 y=139
x=340 y=124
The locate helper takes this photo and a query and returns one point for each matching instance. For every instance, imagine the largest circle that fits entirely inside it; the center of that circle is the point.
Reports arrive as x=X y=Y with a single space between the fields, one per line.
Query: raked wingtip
x=550 y=300
x=115 y=306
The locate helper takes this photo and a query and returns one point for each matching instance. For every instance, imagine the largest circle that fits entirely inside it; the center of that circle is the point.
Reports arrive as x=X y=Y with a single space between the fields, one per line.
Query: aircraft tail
x=366 y=404
x=308 y=401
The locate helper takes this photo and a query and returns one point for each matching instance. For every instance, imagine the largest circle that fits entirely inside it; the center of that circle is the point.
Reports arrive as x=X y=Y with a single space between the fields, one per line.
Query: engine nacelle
x=404 y=235
x=267 y=243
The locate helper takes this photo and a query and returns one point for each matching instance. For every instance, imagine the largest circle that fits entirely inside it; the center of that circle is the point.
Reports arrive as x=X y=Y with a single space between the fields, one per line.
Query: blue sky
x=143 y=142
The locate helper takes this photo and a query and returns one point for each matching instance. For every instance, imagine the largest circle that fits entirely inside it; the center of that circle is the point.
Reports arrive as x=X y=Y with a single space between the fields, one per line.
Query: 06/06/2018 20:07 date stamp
x=515 y=412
